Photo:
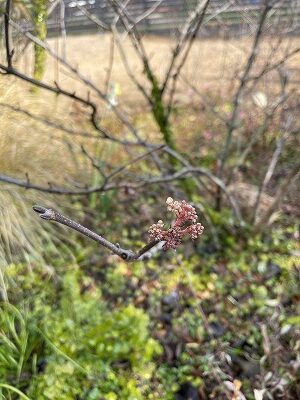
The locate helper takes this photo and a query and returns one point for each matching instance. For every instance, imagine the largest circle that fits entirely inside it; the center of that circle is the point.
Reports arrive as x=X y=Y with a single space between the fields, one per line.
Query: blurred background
x=107 y=108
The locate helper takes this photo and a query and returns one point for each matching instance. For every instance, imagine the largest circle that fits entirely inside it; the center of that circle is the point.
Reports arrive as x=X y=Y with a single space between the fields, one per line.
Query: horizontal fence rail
x=227 y=17
x=169 y=15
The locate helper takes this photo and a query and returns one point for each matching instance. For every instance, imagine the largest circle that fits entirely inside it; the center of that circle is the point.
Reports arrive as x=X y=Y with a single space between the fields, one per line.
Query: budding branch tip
x=39 y=209
x=43 y=212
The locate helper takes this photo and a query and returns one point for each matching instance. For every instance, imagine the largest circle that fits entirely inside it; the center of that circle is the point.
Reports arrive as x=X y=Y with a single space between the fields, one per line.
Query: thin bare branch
x=129 y=25
x=52 y=7
x=9 y=51
x=189 y=32
x=282 y=190
x=271 y=67
x=119 y=185
x=243 y=79
x=110 y=63
x=130 y=73
x=59 y=91
x=127 y=255
x=87 y=82
x=270 y=170
x=95 y=19
x=239 y=92
x=145 y=15
x=63 y=28
x=48 y=122
x=268 y=117
x=118 y=170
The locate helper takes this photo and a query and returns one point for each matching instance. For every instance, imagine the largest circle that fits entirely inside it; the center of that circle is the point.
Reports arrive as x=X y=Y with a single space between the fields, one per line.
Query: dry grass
x=30 y=148
x=212 y=62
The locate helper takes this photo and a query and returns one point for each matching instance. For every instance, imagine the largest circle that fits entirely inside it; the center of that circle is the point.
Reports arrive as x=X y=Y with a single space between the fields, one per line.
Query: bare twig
x=281 y=191
x=243 y=79
x=189 y=31
x=59 y=91
x=87 y=82
x=9 y=51
x=270 y=170
x=52 y=7
x=110 y=63
x=118 y=170
x=146 y=14
x=271 y=67
x=239 y=92
x=127 y=255
x=63 y=28
x=135 y=37
x=258 y=132
x=104 y=187
x=93 y=18
x=61 y=60
x=48 y=122
x=124 y=58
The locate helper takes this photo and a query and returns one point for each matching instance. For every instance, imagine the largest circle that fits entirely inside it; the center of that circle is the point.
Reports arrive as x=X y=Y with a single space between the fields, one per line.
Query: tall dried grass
x=29 y=148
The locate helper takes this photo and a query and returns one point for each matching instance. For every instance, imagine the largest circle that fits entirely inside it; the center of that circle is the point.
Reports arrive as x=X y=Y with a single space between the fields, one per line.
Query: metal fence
x=163 y=17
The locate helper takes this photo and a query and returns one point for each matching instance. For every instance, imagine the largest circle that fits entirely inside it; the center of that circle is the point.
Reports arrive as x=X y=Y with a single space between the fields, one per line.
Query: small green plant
x=77 y=346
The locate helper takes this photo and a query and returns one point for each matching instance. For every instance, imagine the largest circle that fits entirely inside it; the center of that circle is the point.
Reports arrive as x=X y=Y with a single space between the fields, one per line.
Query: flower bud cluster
x=172 y=237
x=184 y=212
x=195 y=230
x=156 y=230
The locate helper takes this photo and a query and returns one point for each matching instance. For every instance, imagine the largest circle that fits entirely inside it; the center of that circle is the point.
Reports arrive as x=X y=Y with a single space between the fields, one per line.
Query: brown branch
x=93 y=18
x=281 y=191
x=93 y=162
x=110 y=64
x=105 y=185
x=136 y=41
x=143 y=16
x=59 y=91
x=271 y=67
x=9 y=52
x=134 y=160
x=80 y=76
x=204 y=100
x=243 y=80
x=175 y=75
x=184 y=57
x=47 y=122
x=239 y=92
x=86 y=102
x=130 y=73
x=52 y=7
x=63 y=27
x=196 y=17
x=257 y=133
x=60 y=59
x=127 y=255
x=143 y=182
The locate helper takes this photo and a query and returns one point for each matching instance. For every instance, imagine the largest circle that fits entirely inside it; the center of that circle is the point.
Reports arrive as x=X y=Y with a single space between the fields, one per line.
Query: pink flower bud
x=184 y=213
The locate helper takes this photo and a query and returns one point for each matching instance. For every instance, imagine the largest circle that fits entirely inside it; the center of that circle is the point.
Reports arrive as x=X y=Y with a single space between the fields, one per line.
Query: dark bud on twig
x=44 y=213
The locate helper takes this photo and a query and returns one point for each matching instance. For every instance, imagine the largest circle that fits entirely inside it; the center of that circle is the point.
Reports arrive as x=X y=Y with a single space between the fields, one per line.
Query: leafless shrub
x=159 y=92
